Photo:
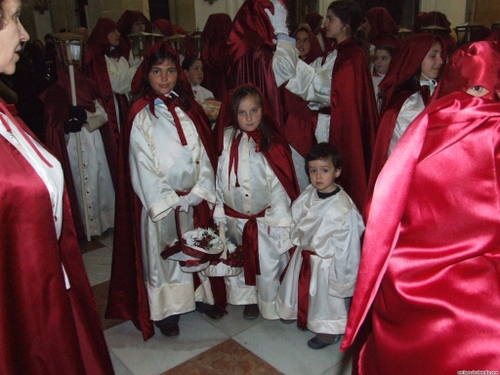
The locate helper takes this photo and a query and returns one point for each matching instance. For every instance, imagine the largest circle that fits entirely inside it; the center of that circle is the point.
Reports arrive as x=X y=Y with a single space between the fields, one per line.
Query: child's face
x=303 y=44
x=163 y=77
x=382 y=61
x=322 y=174
x=137 y=27
x=195 y=73
x=432 y=63
x=249 y=114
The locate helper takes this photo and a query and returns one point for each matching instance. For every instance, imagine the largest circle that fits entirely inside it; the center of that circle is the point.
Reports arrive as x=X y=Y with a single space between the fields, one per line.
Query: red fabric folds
x=303 y=290
x=383 y=28
x=353 y=118
x=45 y=327
x=215 y=53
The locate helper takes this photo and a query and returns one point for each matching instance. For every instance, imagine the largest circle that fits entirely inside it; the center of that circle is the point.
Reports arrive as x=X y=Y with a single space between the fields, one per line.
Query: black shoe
x=316 y=343
x=287 y=321
x=170 y=330
x=251 y=312
x=213 y=312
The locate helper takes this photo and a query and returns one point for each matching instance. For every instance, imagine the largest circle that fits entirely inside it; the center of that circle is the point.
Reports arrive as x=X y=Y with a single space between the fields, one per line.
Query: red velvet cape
x=430 y=266
x=353 y=118
x=45 y=328
x=383 y=28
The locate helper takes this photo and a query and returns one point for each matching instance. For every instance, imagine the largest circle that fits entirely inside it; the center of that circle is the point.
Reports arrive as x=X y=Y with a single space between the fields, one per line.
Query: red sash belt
x=250 y=242
x=303 y=293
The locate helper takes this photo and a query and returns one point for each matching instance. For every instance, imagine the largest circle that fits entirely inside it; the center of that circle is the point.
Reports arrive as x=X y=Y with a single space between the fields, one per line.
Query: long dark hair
x=266 y=131
x=157 y=58
x=349 y=12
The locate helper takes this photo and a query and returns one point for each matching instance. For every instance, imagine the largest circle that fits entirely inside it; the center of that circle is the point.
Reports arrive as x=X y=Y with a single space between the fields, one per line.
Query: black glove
x=78 y=117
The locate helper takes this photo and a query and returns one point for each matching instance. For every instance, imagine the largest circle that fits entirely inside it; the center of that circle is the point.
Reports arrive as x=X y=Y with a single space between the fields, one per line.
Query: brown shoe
x=170 y=330
x=251 y=312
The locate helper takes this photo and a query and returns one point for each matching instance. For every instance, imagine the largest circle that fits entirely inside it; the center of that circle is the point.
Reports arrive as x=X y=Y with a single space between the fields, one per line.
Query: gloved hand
x=278 y=19
x=77 y=117
x=182 y=203
x=193 y=199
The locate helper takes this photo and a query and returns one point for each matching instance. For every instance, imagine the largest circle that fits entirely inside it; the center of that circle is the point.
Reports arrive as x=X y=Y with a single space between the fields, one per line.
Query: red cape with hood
x=406 y=61
x=383 y=28
x=214 y=54
x=429 y=267
x=46 y=328
x=127 y=293
x=95 y=68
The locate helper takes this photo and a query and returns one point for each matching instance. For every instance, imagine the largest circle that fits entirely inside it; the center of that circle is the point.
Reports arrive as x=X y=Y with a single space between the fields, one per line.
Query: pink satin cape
x=430 y=267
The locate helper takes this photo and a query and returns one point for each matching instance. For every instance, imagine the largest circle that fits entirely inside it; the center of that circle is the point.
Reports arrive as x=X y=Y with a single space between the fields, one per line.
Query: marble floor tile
x=118 y=366
x=98 y=265
x=227 y=358
x=284 y=347
x=87 y=246
x=233 y=322
x=101 y=298
x=159 y=353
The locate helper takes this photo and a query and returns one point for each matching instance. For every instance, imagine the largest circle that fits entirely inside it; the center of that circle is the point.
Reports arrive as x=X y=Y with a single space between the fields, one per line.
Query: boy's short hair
x=323 y=151
x=386 y=47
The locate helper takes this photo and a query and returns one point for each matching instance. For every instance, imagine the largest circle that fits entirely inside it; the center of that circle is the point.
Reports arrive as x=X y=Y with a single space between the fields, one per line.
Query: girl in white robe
x=249 y=191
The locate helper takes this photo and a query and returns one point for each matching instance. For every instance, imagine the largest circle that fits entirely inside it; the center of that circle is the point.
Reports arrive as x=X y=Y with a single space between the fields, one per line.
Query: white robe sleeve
x=149 y=182
x=310 y=82
x=96 y=119
x=120 y=74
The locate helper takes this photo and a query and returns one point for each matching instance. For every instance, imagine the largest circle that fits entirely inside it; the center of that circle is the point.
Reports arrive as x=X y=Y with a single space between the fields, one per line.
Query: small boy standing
x=326 y=230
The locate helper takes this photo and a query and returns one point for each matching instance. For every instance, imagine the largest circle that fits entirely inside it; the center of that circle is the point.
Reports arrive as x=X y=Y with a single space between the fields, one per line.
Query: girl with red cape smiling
x=167 y=160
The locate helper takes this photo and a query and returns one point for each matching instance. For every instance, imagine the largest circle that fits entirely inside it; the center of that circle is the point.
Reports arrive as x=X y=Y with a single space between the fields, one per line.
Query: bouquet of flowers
x=230 y=262
x=195 y=250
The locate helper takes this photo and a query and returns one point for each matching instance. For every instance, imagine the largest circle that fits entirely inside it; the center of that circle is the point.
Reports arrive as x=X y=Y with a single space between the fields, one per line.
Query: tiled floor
x=230 y=346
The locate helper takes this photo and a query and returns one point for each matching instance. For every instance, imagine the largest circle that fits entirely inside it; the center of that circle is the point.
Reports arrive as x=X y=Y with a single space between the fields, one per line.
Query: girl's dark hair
x=386 y=47
x=158 y=58
x=349 y=13
x=323 y=151
x=266 y=131
x=189 y=61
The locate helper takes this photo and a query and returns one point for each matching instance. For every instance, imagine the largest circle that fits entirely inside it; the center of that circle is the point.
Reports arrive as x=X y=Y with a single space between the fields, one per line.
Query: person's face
x=137 y=27
x=114 y=38
x=195 y=73
x=11 y=36
x=322 y=174
x=432 y=63
x=382 y=61
x=249 y=114
x=303 y=44
x=334 y=27
x=163 y=77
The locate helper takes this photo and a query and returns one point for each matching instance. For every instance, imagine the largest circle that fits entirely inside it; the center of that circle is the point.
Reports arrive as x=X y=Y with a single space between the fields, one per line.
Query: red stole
x=303 y=291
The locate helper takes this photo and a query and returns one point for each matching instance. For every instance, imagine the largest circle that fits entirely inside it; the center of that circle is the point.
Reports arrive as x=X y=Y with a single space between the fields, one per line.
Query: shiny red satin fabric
x=45 y=329
x=383 y=28
x=430 y=264
x=165 y=26
x=303 y=289
x=353 y=118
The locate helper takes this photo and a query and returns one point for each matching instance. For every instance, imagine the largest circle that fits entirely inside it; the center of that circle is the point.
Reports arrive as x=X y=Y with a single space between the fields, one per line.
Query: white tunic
x=120 y=75
x=201 y=93
x=159 y=167
x=97 y=181
x=311 y=82
x=259 y=190
x=332 y=229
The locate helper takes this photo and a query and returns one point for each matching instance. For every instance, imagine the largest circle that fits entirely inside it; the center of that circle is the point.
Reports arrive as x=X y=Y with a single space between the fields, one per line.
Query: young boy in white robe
x=326 y=230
